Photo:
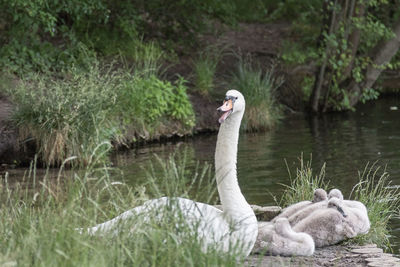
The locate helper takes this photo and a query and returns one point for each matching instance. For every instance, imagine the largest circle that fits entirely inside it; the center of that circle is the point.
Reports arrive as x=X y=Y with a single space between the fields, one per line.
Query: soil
x=339 y=255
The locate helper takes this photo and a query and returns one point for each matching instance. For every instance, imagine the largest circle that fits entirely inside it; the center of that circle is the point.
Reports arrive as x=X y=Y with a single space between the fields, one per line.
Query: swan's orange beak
x=227 y=109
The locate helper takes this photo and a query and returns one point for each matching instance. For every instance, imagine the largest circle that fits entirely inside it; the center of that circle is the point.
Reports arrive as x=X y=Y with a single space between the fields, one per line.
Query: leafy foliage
x=151 y=99
x=58 y=28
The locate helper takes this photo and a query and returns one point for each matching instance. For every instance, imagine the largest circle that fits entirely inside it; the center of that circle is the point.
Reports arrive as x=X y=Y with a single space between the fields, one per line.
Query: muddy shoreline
x=337 y=255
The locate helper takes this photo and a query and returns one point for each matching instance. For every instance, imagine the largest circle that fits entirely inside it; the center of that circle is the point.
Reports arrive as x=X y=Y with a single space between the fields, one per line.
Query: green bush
x=40 y=35
x=71 y=114
x=66 y=117
x=150 y=100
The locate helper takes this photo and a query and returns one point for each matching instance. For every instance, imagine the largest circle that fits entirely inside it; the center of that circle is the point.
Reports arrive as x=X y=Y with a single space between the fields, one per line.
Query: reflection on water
x=346 y=142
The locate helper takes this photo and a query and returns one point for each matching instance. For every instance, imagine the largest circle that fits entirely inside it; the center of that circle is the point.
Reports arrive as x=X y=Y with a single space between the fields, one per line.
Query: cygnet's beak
x=226 y=108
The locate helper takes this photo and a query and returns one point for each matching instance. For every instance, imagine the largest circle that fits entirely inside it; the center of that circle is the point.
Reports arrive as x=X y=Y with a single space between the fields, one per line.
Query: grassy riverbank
x=39 y=217
x=40 y=214
x=67 y=97
x=68 y=113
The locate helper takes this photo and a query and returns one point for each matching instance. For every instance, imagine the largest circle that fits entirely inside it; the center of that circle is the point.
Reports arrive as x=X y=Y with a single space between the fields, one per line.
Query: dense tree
x=356 y=44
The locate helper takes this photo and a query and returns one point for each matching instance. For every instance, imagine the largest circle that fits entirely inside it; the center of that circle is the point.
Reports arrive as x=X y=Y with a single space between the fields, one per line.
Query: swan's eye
x=236 y=98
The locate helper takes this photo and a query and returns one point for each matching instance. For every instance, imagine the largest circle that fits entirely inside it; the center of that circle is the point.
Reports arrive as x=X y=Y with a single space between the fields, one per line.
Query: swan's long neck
x=232 y=199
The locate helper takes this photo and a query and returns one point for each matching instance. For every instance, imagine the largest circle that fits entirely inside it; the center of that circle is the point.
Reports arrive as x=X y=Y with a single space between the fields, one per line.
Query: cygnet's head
x=233 y=103
x=335 y=193
x=336 y=203
x=319 y=195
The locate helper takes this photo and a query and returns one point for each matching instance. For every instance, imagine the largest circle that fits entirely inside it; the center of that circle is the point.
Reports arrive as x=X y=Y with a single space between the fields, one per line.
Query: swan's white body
x=235 y=226
x=319 y=195
x=279 y=239
x=329 y=225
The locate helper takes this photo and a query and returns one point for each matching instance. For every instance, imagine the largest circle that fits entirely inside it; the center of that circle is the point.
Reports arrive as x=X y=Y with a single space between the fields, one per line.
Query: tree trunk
x=320 y=75
x=354 y=40
x=384 y=52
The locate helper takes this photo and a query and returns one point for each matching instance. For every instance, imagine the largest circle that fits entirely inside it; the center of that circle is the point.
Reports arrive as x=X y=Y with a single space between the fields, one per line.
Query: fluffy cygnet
x=279 y=239
x=319 y=196
x=358 y=214
x=327 y=226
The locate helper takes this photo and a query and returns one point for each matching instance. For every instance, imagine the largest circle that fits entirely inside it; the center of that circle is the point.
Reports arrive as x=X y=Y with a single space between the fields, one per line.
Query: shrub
x=150 y=103
x=72 y=114
x=66 y=117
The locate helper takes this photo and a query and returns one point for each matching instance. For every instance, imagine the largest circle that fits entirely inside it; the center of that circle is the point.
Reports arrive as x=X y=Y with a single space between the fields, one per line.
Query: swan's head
x=319 y=195
x=335 y=193
x=233 y=103
x=336 y=203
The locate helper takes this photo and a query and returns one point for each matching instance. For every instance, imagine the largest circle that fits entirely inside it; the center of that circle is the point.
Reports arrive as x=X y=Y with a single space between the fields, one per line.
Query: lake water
x=346 y=142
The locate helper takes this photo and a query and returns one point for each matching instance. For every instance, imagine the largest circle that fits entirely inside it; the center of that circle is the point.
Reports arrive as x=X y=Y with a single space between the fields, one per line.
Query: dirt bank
x=339 y=255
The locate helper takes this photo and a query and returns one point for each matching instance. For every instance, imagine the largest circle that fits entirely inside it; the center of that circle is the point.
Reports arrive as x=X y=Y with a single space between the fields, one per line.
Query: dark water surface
x=345 y=142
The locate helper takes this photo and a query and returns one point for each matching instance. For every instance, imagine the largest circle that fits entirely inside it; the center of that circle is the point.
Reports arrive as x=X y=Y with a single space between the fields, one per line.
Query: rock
x=262 y=213
x=266 y=213
x=367 y=250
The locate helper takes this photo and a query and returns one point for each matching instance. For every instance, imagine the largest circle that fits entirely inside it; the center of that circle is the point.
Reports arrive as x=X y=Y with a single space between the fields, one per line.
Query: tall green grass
x=382 y=200
x=374 y=190
x=38 y=224
x=258 y=88
x=205 y=67
x=69 y=116
x=303 y=184
x=71 y=113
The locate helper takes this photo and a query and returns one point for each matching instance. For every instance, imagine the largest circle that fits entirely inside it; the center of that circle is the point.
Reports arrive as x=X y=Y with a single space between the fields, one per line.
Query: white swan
x=358 y=214
x=319 y=195
x=327 y=226
x=279 y=239
x=235 y=226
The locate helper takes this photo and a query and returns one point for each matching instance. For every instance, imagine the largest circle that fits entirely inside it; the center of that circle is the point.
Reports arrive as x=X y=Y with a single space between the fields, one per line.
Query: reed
x=303 y=184
x=382 y=200
x=204 y=69
x=71 y=113
x=258 y=88
x=38 y=223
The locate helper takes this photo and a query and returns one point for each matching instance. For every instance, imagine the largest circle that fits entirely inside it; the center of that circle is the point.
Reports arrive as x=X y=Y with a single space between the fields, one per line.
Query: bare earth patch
x=339 y=255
